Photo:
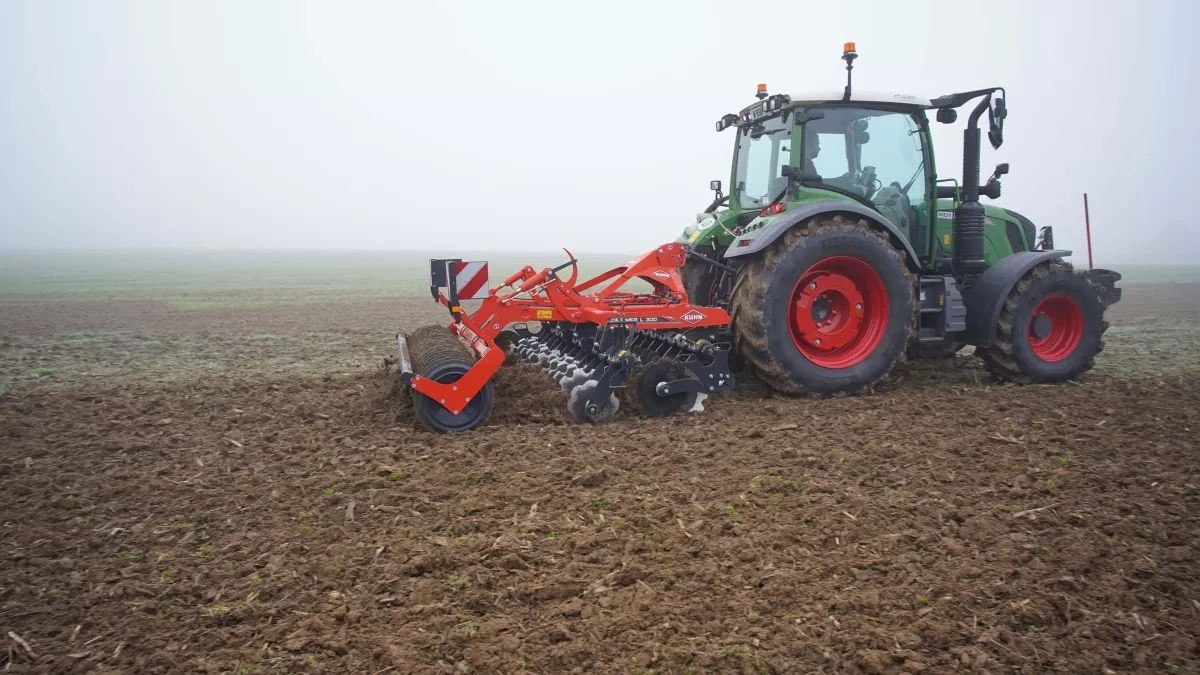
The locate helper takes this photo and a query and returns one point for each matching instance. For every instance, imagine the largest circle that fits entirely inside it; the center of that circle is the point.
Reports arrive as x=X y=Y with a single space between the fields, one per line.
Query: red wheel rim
x=838 y=312
x=1055 y=327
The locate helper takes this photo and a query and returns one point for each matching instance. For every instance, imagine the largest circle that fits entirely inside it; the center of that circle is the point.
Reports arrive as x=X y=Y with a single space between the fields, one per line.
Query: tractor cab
x=873 y=149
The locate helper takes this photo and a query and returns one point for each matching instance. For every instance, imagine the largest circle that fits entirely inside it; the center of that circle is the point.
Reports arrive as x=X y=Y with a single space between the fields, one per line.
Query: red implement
x=543 y=296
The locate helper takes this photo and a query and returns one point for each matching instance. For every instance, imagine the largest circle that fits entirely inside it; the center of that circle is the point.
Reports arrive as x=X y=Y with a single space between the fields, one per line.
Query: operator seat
x=896 y=207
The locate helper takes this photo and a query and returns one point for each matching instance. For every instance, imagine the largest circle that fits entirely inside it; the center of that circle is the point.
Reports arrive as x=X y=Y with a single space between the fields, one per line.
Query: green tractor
x=839 y=250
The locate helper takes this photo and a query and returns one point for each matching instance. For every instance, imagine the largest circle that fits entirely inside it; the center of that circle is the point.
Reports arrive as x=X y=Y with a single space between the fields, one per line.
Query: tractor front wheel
x=828 y=309
x=1050 y=329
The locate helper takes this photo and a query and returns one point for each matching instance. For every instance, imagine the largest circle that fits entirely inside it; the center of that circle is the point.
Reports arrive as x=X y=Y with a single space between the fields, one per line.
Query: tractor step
x=942 y=308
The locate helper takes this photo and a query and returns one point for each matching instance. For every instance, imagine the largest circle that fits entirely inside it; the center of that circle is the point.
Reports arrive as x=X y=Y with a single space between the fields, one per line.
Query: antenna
x=848 y=55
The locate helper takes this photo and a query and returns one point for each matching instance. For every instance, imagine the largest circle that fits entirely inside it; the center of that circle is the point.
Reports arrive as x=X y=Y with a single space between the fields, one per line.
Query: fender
x=758 y=239
x=985 y=298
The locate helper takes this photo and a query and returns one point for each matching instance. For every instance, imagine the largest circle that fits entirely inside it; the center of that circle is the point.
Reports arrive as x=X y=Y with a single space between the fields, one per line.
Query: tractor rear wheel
x=828 y=308
x=1050 y=329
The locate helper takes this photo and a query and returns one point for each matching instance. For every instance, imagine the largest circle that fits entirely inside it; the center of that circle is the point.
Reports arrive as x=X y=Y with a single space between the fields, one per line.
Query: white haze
x=517 y=125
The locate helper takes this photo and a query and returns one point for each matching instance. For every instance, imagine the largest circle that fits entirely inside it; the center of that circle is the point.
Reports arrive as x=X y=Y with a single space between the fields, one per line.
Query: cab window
x=873 y=154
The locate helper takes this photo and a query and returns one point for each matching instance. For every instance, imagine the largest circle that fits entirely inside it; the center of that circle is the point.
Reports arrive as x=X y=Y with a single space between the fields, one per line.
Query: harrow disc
x=583 y=410
x=651 y=401
x=573 y=379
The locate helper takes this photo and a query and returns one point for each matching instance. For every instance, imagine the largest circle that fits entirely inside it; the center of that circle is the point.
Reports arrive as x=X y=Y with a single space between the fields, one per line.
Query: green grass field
x=198 y=278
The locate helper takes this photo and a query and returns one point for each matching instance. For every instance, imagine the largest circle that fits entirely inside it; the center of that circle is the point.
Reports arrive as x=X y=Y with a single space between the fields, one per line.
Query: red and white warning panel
x=471 y=278
x=463 y=279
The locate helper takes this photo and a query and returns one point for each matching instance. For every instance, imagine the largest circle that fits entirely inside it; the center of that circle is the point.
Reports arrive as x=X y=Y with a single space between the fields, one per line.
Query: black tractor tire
x=762 y=308
x=699 y=281
x=441 y=357
x=1072 y=337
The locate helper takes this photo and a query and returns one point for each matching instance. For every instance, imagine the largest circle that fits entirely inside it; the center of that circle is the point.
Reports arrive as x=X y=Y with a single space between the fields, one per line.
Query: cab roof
x=769 y=105
x=857 y=96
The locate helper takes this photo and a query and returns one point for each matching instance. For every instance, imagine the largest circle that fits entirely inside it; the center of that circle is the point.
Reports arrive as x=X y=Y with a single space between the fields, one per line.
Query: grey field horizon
x=182 y=271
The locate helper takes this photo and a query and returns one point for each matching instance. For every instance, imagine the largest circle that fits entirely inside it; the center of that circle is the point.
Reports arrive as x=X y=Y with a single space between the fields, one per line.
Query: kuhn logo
x=662 y=275
x=694 y=316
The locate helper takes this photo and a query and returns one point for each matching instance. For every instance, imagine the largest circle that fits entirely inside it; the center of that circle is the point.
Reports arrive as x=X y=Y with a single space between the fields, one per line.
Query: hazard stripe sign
x=471 y=279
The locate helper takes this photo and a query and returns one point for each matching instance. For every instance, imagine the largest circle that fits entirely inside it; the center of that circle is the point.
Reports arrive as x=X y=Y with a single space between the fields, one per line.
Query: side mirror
x=715 y=185
x=996 y=114
x=799 y=175
x=947 y=115
x=1001 y=169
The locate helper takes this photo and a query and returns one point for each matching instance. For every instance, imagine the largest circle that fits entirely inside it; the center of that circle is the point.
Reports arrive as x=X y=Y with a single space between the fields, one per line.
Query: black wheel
x=699 y=281
x=582 y=411
x=439 y=356
x=828 y=308
x=1050 y=329
x=646 y=389
x=436 y=418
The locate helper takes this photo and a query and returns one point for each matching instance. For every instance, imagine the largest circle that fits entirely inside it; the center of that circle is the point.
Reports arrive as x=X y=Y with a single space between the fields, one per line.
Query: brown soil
x=292 y=518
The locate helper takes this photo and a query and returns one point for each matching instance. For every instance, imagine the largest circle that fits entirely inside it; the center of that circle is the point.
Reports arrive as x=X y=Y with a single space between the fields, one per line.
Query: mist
x=524 y=125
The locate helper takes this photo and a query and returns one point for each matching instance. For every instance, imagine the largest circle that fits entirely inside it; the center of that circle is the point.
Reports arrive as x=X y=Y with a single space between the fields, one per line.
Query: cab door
x=898 y=172
x=881 y=157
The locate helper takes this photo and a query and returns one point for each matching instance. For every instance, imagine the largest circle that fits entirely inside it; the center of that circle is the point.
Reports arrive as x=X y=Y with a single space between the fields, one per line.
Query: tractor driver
x=812 y=148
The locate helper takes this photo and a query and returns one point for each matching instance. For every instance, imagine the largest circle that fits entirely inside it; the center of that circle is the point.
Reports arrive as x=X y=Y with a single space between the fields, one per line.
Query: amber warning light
x=848 y=55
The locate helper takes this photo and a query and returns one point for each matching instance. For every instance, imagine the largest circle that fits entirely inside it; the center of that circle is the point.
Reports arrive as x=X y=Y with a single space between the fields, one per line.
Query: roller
x=438 y=355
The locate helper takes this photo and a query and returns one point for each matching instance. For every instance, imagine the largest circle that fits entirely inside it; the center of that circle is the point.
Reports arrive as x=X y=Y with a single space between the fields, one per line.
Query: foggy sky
x=519 y=125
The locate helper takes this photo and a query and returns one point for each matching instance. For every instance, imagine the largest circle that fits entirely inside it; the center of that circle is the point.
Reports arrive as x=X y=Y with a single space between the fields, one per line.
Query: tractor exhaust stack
x=970 y=220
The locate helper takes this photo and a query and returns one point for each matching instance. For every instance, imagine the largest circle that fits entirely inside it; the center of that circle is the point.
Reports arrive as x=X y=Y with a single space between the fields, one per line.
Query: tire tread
x=748 y=309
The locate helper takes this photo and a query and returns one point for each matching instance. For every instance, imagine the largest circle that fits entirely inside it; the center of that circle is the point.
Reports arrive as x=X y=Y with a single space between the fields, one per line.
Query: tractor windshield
x=762 y=151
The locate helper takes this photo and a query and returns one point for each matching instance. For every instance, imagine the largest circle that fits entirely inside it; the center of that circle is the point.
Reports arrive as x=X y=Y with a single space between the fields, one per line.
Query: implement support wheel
x=438 y=355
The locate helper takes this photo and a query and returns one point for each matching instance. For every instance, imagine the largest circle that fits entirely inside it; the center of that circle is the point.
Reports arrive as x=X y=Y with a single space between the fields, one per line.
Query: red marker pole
x=1087 y=224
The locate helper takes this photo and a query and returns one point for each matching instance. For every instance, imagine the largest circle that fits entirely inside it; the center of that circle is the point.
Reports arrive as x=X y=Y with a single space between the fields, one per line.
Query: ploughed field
x=221 y=476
